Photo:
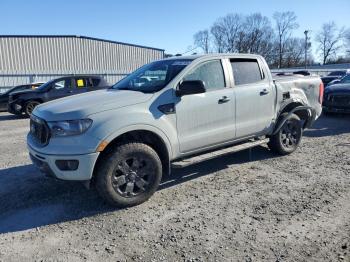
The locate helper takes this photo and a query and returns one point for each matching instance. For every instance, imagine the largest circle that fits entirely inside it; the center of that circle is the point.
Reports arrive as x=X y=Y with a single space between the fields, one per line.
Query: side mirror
x=190 y=87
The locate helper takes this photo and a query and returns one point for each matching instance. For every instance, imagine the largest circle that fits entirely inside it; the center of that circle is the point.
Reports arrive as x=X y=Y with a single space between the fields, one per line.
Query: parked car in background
x=302 y=72
x=337 y=96
x=4 y=97
x=333 y=76
x=124 y=139
x=25 y=101
x=343 y=79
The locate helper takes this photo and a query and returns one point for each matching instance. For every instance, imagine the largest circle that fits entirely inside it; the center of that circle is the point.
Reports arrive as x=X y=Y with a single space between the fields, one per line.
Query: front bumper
x=47 y=164
x=14 y=108
x=337 y=103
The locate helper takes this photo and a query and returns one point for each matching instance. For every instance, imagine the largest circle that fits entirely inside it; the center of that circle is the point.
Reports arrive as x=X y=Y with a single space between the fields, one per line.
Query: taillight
x=320 y=94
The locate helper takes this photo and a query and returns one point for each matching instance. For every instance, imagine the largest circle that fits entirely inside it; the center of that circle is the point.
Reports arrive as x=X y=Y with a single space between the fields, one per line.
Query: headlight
x=69 y=128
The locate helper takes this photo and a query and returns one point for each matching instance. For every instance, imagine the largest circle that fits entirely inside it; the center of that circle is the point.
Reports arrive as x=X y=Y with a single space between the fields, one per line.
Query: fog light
x=18 y=107
x=67 y=165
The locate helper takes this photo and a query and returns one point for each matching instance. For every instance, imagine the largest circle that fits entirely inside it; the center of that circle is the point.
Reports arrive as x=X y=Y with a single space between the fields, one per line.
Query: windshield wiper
x=129 y=89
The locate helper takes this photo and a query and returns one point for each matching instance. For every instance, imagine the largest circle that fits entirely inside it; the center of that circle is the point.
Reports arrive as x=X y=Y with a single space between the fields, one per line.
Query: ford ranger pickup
x=169 y=114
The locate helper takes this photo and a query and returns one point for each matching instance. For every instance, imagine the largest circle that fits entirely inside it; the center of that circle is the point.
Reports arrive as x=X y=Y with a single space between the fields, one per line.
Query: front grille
x=39 y=130
x=340 y=100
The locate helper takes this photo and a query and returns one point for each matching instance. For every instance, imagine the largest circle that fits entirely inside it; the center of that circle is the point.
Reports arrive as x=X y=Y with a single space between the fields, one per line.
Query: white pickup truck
x=173 y=112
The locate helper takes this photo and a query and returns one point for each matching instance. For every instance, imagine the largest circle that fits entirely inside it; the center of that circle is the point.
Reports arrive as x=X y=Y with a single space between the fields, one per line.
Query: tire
x=29 y=107
x=129 y=175
x=289 y=137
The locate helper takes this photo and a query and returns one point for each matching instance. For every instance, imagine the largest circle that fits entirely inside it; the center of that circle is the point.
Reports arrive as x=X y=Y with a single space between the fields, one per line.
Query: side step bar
x=221 y=152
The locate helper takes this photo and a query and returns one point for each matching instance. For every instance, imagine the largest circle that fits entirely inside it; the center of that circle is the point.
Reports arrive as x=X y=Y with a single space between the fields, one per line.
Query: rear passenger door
x=255 y=97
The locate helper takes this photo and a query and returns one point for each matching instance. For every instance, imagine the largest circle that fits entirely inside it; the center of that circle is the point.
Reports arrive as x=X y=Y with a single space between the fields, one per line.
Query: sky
x=169 y=25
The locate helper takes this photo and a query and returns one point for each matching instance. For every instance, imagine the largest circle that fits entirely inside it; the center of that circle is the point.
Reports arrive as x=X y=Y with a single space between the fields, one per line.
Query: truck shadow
x=29 y=200
x=329 y=125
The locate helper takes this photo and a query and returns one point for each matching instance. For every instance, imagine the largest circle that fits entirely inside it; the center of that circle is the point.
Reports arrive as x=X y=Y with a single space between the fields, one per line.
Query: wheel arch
x=291 y=105
x=304 y=112
x=157 y=141
x=37 y=99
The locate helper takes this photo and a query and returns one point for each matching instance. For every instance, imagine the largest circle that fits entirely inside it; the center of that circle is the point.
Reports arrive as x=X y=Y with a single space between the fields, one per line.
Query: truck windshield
x=152 y=77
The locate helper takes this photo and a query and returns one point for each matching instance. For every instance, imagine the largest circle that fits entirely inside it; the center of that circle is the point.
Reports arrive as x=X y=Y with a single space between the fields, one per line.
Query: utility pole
x=306 y=46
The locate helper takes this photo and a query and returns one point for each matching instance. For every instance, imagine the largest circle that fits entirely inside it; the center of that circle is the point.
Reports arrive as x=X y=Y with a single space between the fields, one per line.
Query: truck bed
x=307 y=88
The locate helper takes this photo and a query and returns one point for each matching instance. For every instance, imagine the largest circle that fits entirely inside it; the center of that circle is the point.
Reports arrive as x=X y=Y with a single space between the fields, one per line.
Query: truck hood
x=338 y=88
x=83 y=105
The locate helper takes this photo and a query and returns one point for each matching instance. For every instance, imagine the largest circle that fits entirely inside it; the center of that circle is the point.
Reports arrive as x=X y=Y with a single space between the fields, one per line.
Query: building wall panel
x=23 y=58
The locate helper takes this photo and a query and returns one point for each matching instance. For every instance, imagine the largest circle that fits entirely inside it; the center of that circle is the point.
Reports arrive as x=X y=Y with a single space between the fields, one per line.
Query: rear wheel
x=129 y=175
x=288 y=137
x=29 y=107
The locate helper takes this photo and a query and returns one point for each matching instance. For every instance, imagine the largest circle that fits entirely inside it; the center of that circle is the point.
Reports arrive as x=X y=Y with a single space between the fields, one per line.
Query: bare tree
x=202 y=40
x=347 y=41
x=226 y=31
x=254 y=34
x=294 y=52
x=285 y=24
x=218 y=36
x=258 y=35
x=329 y=40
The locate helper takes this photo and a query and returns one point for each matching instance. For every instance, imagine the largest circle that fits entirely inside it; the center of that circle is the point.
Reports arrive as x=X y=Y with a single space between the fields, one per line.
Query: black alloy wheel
x=129 y=174
x=30 y=107
x=290 y=134
x=288 y=138
x=133 y=175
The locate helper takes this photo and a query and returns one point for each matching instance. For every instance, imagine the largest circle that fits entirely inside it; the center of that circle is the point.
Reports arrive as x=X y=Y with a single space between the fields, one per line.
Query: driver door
x=207 y=119
x=61 y=88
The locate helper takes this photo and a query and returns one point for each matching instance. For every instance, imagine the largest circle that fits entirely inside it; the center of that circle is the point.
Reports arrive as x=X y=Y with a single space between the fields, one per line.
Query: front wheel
x=129 y=175
x=288 y=138
x=29 y=107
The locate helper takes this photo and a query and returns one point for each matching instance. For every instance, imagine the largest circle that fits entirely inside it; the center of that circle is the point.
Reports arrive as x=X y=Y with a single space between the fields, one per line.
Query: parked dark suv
x=25 y=101
x=4 y=97
x=337 y=97
x=333 y=76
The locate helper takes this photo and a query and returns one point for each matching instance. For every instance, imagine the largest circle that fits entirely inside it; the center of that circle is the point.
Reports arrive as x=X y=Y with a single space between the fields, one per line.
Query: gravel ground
x=270 y=208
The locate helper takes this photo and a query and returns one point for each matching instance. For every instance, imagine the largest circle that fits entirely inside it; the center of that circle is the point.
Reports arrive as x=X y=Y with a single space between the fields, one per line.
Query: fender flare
x=308 y=123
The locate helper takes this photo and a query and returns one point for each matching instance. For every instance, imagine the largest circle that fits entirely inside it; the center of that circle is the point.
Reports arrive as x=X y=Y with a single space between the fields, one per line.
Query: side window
x=95 y=82
x=211 y=73
x=80 y=82
x=65 y=83
x=246 y=71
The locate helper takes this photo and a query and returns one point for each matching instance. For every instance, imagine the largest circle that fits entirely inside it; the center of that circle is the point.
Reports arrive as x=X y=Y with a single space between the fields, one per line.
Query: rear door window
x=95 y=82
x=246 y=71
x=81 y=82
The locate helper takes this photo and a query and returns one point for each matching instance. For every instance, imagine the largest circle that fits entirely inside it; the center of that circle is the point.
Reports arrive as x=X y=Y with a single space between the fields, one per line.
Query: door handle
x=224 y=99
x=70 y=91
x=264 y=92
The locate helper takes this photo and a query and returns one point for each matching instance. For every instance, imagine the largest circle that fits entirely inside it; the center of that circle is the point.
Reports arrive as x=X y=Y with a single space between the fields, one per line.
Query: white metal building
x=29 y=58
